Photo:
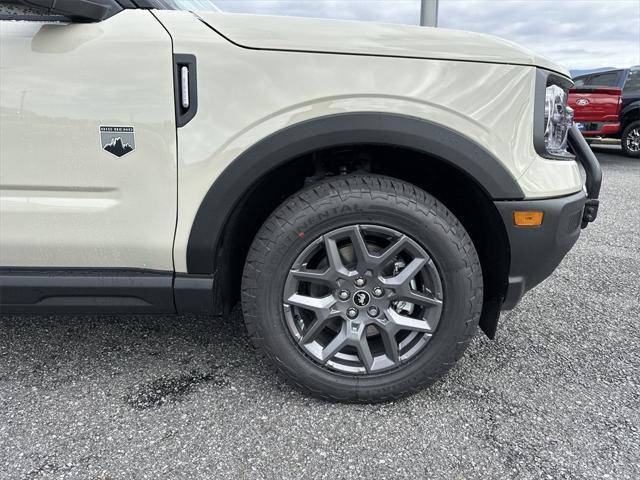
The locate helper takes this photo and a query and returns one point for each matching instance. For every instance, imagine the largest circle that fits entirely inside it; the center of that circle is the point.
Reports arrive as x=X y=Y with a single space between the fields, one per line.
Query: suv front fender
x=358 y=128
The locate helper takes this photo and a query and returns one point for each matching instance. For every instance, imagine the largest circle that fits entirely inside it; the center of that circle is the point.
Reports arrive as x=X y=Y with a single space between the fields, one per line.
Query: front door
x=87 y=143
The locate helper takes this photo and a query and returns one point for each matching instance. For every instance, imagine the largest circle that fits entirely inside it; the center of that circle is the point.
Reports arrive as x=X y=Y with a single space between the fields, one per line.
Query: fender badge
x=582 y=102
x=118 y=140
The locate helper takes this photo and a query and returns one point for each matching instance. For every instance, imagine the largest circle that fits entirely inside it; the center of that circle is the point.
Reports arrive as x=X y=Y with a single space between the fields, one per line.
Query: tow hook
x=590 y=211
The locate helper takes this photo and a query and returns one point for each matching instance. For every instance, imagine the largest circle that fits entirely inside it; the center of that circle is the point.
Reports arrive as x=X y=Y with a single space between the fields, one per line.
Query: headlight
x=558 y=119
x=553 y=117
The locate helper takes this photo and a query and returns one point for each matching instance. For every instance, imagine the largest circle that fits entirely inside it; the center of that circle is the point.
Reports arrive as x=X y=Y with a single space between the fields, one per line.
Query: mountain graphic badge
x=118 y=140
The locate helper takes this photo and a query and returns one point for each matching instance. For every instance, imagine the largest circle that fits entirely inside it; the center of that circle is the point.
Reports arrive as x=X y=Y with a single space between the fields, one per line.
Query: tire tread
x=397 y=192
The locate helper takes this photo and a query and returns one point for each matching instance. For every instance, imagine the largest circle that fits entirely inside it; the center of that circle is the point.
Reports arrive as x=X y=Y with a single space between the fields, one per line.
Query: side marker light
x=527 y=219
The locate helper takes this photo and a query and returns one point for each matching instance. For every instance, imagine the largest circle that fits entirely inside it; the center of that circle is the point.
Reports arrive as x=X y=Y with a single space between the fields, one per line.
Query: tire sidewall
x=442 y=237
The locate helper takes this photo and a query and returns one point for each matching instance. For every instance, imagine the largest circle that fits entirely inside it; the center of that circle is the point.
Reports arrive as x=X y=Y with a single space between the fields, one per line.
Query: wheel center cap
x=361 y=298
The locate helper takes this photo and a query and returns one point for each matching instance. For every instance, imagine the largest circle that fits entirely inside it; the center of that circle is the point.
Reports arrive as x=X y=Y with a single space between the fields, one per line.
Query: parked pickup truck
x=607 y=105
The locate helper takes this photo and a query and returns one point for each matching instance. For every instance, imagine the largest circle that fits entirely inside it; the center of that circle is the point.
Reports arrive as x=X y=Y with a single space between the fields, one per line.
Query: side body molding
x=371 y=128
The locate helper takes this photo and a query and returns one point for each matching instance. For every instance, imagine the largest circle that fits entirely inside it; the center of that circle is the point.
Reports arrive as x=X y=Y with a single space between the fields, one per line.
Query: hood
x=365 y=38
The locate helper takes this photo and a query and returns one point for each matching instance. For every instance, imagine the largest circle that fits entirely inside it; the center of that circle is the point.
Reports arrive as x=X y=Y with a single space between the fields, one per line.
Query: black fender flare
x=629 y=111
x=372 y=128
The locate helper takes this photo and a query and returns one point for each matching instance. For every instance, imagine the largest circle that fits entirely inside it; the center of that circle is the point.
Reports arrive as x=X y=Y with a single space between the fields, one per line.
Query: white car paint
x=367 y=38
x=248 y=94
x=66 y=203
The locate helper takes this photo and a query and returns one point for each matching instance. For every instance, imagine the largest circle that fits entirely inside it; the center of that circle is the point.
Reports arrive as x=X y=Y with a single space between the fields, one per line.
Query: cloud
x=574 y=33
x=577 y=34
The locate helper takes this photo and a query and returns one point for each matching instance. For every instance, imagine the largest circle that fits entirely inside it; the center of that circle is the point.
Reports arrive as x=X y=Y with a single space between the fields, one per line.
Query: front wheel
x=631 y=139
x=362 y=288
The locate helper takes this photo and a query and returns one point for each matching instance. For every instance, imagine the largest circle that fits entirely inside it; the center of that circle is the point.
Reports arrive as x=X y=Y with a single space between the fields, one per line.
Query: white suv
x=371 y=193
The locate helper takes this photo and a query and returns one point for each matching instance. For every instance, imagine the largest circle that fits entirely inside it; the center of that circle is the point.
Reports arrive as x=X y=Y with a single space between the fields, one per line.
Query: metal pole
x=429 y=13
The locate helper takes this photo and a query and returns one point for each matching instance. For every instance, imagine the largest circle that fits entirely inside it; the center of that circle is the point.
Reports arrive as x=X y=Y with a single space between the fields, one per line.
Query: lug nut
x=344 y=295
x=377 y=292
x=352 y=312
x=360 y=282
x=373 y=311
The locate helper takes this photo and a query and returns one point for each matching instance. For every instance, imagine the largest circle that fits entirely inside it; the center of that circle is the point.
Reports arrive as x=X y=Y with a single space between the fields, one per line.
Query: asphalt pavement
x=556 y=395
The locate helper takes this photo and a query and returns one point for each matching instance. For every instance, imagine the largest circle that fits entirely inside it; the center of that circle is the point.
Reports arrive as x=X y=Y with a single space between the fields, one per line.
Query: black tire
x=632 y=129
x=348 y=200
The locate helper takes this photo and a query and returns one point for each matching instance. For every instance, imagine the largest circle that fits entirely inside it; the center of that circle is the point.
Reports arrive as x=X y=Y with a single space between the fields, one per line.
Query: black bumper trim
x=536 y=252
x=194 y=293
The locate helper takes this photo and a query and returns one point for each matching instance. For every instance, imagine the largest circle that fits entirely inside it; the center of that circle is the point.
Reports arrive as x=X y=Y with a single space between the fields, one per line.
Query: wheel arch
x=393 y=130
x=629 y=114
x=219 y=233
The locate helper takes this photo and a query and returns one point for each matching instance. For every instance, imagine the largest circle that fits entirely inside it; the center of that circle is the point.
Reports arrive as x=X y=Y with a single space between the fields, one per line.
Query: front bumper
x=537 y=251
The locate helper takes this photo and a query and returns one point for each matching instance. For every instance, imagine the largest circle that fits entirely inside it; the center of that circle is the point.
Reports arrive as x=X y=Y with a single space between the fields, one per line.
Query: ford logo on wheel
x=582 y=102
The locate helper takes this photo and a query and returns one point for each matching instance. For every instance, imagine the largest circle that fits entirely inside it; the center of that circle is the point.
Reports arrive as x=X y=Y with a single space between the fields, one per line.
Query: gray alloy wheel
x=362 y=288
x=363 y=299
x=631 y=140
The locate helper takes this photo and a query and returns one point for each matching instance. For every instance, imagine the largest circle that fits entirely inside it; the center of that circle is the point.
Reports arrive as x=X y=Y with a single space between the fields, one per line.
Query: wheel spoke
x=311 y=332
x=335 y=345
x=390 y=345
x=364 y=352
x=421 y=299
x=360 y=250
x=392 y=251
x=333 y=256
x=408 y=294
x=399 y=322
x=403 y=290
x=407 y=273
x=319 y=306
x=327 y=277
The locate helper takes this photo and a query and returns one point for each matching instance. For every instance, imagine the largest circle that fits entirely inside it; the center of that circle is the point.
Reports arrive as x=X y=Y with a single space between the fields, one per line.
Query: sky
x=579 y=34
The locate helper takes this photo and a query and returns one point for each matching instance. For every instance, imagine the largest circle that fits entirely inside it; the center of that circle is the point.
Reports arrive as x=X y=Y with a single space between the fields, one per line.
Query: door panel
x=65 y=200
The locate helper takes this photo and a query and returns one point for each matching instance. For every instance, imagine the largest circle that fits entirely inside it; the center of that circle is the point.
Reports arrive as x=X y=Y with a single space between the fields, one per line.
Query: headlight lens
x=558 y=119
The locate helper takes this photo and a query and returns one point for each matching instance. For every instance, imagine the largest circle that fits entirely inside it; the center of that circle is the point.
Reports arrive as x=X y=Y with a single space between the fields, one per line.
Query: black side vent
x=185 y=83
